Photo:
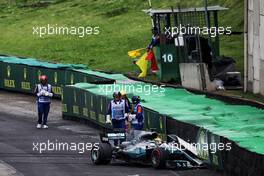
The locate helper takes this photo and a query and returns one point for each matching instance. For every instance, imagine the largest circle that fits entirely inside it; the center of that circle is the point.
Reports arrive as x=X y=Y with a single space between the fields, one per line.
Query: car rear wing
x=115 y=134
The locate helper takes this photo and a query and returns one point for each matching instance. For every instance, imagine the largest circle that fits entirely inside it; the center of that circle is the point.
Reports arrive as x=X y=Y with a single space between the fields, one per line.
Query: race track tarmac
x=24 y=149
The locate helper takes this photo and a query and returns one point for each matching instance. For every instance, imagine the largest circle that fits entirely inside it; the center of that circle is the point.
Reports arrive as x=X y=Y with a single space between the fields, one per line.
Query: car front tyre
x=102 y=154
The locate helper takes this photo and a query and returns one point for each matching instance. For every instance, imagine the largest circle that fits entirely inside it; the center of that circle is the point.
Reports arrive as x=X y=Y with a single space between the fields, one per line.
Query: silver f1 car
x=143 y=148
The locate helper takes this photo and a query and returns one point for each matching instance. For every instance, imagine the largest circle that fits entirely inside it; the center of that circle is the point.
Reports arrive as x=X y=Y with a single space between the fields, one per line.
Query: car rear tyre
x=159 y=157
x=102 y=154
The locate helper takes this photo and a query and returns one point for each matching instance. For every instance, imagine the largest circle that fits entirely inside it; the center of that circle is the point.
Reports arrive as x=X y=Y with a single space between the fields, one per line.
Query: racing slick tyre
x=159 y=157
x=102 y=154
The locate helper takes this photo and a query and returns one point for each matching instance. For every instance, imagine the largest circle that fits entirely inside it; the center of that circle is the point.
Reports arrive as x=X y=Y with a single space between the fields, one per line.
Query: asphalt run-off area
x=20 y=142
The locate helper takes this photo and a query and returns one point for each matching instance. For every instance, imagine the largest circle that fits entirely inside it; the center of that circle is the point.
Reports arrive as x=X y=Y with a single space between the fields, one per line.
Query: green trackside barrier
x=209 y=148
x=76 y=102
x=66 y=100
x=56 y=77
x=81 y=77
x=10 y=72
x=94 y=110
x=88 y=102
x=79 y=103
x=74 y=76
x=235 y=122
x=95 y=77
x=162 y=126
x=18 y=77
x=84 y=102
x=87 y=106
x=215 y=156
x=203 y=139
x=26 y=79
x=1 y=75
x=71 y=101
x=23 y=74
x=153 y=120
x=117 y=77
x=102 y=109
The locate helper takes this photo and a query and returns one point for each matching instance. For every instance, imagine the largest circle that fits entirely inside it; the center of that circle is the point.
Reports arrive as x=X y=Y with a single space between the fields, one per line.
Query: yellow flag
x=142 y=63
x=135 y=53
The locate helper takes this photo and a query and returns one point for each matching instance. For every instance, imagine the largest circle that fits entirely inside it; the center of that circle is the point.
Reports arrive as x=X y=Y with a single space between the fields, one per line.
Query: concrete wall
x=255 y=46
x=195 y=76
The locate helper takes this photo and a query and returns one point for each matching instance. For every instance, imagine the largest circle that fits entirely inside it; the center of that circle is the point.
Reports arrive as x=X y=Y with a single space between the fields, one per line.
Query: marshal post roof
x=184 y=10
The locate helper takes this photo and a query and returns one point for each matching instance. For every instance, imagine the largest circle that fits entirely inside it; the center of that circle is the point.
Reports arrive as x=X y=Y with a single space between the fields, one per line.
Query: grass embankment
x=123 y=26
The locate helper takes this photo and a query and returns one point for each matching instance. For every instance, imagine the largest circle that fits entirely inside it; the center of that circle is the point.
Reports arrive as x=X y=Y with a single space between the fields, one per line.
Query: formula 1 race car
x=143 y=148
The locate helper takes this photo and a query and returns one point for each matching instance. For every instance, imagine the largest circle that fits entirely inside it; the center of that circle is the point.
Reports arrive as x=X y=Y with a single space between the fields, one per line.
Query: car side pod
x=102 y=154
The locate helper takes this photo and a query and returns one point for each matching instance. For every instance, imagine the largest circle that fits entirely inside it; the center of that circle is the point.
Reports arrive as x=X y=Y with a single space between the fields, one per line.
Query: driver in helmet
x=44 y=93
x=137 y=116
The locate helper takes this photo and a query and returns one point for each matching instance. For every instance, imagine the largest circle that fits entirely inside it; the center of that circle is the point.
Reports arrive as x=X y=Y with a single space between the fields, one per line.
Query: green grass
x=123 y=27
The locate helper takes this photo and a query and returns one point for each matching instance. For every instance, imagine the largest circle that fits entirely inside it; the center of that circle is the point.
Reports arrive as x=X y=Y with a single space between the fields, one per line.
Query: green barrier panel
x=23 y=74
x=66 y=100
x=153 y=121
x=1 y=75
x=71 y=101
x=210 y=147
x=84 y=104
x=56 y=77
x=216 y=148
x=36 y=63
x=26 y=79
x=93 y=104
x=102 y=75
x=11 y=74
x=162 y=124
x=95 y=77
x=102 y=109
x=75 y=76
x=80 y=103
x=88 y=106
x=18 y=77
x=202 y=140
x=76 y=102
